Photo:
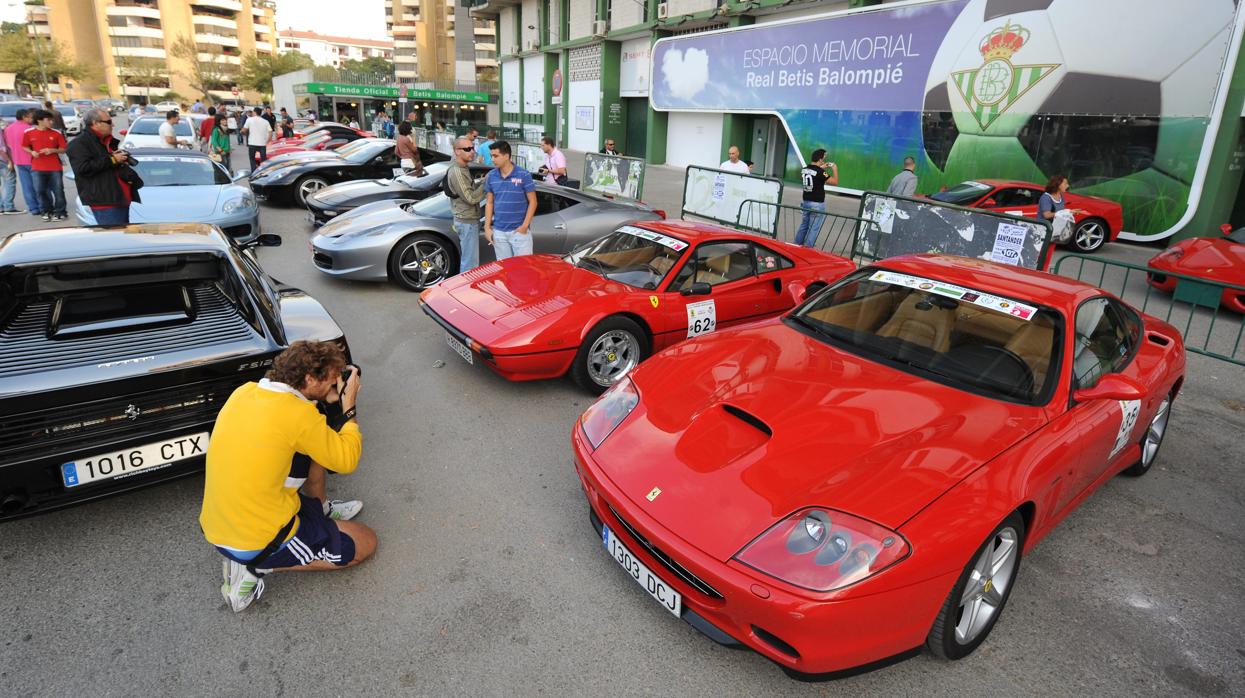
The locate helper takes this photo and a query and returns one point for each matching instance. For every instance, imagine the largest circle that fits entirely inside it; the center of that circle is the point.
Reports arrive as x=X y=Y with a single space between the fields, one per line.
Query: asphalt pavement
x=489 y=580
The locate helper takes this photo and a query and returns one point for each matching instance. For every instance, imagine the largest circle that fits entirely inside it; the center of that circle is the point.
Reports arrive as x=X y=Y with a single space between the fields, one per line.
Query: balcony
x=262 y=28
x=148 y=11
x=214 y=21
x=263 y=46
x=228 y=5
x=139 y=52
x=217 y=39
x=490 y=8
x=220 y=58
x=405 y=44
x=149 y=32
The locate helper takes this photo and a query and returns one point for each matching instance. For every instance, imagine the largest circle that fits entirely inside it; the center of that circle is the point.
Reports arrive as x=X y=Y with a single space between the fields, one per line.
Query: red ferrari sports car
x=600 y=310
x=839 y=486
x=320 y=141
x=1100 y=223
x=1220 y=259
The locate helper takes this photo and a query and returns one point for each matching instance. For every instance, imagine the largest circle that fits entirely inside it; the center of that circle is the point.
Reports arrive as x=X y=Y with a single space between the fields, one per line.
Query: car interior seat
x=920 y=322
x=1033 y=344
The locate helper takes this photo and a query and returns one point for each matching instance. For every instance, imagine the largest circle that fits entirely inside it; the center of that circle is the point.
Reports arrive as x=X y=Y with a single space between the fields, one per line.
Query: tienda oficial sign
x=334 y=89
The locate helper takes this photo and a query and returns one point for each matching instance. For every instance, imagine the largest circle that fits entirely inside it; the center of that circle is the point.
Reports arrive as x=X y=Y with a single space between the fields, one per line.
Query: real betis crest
x=994 y=87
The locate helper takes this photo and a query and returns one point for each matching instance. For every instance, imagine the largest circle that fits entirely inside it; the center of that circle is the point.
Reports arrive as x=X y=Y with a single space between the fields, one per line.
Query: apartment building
x=439 y=43
x=332 y=50
x=133 y=42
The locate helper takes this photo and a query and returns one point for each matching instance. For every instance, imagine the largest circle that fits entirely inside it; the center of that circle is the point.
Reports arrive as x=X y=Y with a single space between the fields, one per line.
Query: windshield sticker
x=676 y=245
x=985 y=300
x=1009 y=243
x=702 y=318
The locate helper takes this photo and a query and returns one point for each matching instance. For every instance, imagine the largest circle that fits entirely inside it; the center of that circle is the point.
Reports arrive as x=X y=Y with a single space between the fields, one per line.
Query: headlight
x=604 y=415
x=823 y=550
x=242 y=203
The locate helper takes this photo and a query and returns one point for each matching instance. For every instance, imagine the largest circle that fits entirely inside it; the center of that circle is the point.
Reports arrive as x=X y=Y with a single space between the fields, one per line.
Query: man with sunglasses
x=105 y=180
x=609 y=148
x=465 y=197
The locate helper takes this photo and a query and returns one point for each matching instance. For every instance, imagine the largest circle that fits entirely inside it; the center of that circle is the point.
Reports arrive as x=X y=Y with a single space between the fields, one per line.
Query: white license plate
x=670 y=599
x=106 y=466
x=461 y=349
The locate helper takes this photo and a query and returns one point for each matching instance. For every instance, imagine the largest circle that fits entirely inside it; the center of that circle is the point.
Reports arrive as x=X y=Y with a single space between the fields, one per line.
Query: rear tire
x=422 y=260
x=610 y=351
x=1090 y=235
x=977 y=600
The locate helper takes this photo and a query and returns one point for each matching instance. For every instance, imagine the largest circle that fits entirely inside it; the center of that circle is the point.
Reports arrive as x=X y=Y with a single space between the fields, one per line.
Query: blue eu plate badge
x=69 y=472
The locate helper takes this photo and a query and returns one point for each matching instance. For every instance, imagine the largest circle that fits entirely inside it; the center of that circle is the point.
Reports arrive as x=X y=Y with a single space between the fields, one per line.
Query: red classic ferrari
x=839 y=486
x=1219 y=259
x=1100 y=223
x=600 y=310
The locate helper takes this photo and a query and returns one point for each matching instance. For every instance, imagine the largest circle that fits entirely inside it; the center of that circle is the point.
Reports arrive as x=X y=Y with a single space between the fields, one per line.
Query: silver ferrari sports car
x=413 y=244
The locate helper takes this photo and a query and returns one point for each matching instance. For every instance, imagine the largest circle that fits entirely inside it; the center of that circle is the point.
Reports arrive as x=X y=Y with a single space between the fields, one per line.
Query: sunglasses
x=469 y=149
x=103 y=121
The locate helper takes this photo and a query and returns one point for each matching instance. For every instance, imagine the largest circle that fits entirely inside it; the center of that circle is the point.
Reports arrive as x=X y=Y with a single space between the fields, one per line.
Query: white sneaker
x=342 y=510
x=240 y=587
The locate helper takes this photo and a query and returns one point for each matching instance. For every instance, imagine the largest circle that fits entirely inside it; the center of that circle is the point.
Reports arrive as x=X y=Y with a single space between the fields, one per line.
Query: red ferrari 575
x=600 y=310
x=1220 y=259
x=840 y=486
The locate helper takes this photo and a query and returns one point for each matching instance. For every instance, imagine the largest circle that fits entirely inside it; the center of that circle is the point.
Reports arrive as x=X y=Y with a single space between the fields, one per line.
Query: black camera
x=346 y=371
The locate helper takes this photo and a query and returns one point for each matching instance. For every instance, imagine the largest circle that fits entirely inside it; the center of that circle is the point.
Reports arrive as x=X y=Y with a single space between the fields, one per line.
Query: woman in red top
x=45 y=146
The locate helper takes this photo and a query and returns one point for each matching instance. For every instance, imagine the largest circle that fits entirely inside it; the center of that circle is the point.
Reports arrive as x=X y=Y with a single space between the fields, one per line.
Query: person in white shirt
x=734 y=164
x=168 y=132
x=258 y=132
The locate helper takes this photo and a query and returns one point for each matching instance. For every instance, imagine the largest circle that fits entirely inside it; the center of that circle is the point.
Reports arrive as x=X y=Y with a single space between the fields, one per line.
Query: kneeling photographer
x=264 y=504
x=104 y=175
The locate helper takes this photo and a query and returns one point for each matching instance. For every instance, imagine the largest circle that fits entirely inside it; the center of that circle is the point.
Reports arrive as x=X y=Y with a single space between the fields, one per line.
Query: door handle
x=777 y=285
x=559 y=226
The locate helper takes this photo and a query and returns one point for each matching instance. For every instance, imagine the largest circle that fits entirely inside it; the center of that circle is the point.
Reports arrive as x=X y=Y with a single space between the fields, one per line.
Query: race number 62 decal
x=702 y=318
x=1128 y=419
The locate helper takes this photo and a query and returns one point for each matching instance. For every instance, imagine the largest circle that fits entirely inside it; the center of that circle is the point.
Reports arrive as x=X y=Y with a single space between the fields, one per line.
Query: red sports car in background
x=320 y=141
x=1220 y=259
x=860 y=477
x=1100 y=223
x=599 y=311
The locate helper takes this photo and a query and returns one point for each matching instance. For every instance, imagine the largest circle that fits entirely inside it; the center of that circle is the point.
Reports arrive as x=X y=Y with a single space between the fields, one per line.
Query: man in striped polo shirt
x=509 y=205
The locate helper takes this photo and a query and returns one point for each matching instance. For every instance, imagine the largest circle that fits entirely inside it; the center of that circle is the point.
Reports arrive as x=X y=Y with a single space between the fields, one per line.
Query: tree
x=208 y=68
x=138 y=71
x=258 y=70
x=375 y=65
x=31 y=58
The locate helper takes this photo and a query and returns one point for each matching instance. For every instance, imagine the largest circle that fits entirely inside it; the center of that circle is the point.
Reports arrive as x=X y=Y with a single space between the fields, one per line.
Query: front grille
x=72 y=426
x=322 y=260
x=668 y=562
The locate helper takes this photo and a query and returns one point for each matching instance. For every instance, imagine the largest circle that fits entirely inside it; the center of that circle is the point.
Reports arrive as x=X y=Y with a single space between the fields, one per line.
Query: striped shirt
x=509 y=197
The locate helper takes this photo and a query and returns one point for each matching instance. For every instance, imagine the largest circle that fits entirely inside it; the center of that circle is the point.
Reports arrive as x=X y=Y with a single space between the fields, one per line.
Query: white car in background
x=72 y=116
x=144 y=132
x=164 y=107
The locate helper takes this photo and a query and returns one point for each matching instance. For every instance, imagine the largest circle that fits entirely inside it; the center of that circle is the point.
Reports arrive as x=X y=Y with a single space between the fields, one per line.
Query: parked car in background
x=1219 y=259
x=321 y=140
x=120 y=347
x=336 y=199
x=187 y=186
x=413 y=244
x=292 y=182
x=166 y=106
x=8 y=110
x=144 y=132
x=1099 y=224
x=72 y=116
x=292 y=156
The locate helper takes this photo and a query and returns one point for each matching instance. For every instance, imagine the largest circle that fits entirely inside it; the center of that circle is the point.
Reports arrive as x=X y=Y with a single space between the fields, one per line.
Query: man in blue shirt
x=509 y=205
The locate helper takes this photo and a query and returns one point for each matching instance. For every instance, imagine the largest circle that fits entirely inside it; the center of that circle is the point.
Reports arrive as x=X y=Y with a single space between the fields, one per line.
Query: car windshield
x=151 y=127
x=424 y=182
x=9 y=109
x=435 y=206
x=963 y=193
x=959 y=336
x=168 y=171
x=67 y=110
x=633 y=256
x=362 y=155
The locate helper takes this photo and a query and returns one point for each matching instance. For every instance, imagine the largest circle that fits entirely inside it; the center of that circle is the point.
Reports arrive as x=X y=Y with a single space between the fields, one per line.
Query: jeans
x=511 y=243
x=241 y=138
x=28 y=189
x=810 y=224
x=8 y=179
x=50 y=189
x=253 y=150
x=468 y=245
x=118 y=215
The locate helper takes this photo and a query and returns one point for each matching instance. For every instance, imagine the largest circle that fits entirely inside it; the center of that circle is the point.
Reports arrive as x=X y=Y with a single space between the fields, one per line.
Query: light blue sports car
x=186 y=186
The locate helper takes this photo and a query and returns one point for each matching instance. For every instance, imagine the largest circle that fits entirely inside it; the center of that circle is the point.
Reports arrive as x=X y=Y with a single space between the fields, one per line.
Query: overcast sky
x=359 y=19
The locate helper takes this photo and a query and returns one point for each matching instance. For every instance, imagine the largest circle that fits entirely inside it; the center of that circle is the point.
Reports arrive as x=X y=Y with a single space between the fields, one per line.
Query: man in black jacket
x=106 y=182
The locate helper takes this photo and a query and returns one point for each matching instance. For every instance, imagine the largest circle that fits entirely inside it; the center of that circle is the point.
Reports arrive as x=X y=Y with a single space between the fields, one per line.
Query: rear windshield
x=169 y=171
x=963 y=337
x=9 y=109
x=151 y=127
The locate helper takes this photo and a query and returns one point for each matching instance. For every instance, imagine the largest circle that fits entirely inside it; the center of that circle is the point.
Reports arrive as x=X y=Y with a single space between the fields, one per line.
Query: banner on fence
x=903 y=225
x=529 y=156
x=613 y=175
x=717 y=194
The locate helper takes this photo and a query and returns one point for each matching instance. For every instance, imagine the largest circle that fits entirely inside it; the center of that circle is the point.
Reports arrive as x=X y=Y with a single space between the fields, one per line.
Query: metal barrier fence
x=1194 y=306
x=834 y=233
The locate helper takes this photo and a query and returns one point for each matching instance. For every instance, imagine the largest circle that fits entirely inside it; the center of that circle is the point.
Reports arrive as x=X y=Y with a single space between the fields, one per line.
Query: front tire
x=307 y=186
x=610 y=351
x=1090 y=235
x=978 y=597
x=422 y=260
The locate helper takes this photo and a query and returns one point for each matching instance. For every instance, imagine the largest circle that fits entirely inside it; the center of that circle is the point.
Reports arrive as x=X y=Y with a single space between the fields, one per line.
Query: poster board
x=529 y=156
x=906 y=225
x=613 y=175
x=717 y=194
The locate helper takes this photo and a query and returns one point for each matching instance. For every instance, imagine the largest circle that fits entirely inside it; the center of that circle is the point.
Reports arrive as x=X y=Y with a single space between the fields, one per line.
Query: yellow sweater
x=245 y=497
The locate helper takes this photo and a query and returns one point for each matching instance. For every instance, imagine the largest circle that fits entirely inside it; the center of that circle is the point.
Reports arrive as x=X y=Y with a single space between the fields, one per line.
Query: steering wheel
x=1004 y=352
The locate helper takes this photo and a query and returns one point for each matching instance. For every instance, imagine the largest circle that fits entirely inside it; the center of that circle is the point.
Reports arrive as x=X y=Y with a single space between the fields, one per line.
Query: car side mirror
x=125 y=131
x=241 y=175
x=1226 y=229
x=698 y=288
x=989 y=203
x=1112 y=386
x=264 y=240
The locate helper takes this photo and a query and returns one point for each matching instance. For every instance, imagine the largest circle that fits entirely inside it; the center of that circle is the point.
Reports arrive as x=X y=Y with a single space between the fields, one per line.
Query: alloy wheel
x=424 y=263
x=1090 y=235
x=612 y=356
x=311 y=186
x=987 y=585
x=1154 y=434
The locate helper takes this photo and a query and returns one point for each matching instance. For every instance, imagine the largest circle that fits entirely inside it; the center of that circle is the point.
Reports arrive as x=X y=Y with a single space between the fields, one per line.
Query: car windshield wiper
x=601 y=267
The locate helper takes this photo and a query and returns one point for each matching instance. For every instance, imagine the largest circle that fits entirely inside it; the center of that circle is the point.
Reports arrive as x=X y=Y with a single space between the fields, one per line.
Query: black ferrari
x=293 y=182
x=330 y=202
